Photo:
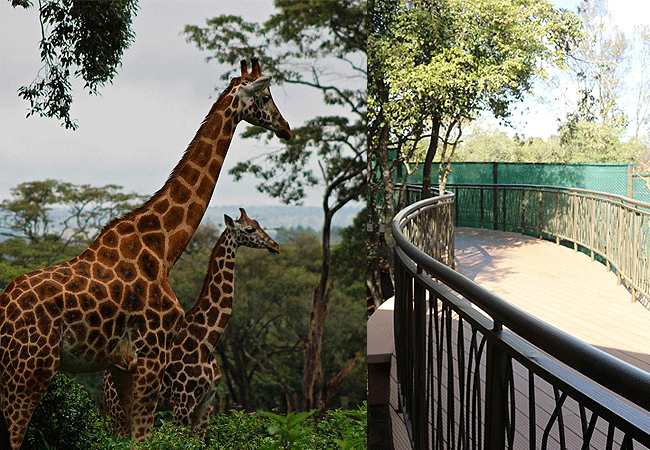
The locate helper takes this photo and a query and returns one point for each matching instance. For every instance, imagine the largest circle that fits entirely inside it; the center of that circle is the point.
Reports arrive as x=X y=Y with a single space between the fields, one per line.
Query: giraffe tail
x=5 y=442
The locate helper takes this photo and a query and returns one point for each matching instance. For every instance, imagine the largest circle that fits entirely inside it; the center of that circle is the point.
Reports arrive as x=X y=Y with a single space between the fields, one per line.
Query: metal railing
x=612 y=228
x=434 y=218
x=475 y=372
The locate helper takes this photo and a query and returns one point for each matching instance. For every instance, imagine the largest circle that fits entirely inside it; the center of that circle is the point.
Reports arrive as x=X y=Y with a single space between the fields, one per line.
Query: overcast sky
x=135 y=132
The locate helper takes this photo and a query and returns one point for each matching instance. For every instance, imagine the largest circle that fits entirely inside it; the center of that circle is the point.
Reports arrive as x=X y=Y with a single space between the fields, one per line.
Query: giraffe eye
x=249 y=229
x=266 y=98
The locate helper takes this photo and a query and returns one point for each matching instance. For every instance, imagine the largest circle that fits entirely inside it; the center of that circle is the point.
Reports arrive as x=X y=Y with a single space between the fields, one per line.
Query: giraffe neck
x=172 y=215
x=207 y=319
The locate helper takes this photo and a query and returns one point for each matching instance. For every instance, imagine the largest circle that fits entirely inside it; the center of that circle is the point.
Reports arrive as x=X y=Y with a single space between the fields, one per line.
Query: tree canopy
x=46 y=222
x=87 y=37
x=435 y=65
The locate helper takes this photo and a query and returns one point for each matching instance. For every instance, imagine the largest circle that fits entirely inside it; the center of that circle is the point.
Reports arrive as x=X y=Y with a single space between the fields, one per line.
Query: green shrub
x=237 y=431
x=65 y=419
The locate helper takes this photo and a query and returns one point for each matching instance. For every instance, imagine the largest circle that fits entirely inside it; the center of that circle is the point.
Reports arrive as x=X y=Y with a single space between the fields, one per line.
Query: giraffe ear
x=229 y=221
x=258 y=85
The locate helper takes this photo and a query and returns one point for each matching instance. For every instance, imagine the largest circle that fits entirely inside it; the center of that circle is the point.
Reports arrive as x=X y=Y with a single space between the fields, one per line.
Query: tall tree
x=89 y=37
x=322 y=45
x=437 y=64
x=30 y=214
x=598 y=67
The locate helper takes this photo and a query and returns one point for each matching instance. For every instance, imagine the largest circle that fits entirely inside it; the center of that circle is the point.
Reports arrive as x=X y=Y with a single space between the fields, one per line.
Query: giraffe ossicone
x=112 y=308
x=191 y=378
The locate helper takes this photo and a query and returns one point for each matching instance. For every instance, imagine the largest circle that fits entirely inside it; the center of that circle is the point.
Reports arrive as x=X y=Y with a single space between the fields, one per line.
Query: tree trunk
x=335 y=383
x=312 y=383
x=380 y=182
x=428 y=160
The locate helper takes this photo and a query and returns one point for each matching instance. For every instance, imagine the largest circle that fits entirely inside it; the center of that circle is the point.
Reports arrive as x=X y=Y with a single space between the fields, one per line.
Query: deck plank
x=560 y=286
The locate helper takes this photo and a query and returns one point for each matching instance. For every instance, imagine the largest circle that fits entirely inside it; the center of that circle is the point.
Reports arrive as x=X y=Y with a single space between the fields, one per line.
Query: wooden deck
x=556 y=284
x=562 y=287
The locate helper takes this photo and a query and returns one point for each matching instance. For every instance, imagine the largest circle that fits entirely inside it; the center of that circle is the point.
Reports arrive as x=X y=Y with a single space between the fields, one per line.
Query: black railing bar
x=584 y=391
x=618 y=376
x=579 y=388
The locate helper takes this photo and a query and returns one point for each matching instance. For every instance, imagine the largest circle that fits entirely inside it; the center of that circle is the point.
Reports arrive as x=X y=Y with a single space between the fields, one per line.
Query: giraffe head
x=247 y=232
x=256 y=105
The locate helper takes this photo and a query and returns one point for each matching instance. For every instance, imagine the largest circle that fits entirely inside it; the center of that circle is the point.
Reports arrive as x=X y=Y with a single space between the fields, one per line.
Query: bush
x=66 y=418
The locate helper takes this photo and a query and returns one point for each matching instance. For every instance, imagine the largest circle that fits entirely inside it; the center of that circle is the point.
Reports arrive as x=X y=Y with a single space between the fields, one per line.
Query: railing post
x=541 y=214
x=496 y=395
x=495 y=207
x=420 y=400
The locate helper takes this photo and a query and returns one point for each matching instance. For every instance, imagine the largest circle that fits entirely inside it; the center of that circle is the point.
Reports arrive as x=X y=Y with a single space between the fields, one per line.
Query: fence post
x=420 y=421
x=630 y=181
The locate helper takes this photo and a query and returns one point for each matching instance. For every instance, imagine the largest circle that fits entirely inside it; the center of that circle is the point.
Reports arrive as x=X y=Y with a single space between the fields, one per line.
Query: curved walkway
x=560 y=286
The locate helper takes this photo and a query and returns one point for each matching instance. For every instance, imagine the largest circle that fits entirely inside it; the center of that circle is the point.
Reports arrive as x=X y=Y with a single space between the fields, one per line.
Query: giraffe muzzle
x=284 y=134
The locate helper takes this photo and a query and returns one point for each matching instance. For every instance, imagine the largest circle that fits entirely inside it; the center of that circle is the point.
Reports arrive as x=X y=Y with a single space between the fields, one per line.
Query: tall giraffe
x=112 y=307
x=191 y=378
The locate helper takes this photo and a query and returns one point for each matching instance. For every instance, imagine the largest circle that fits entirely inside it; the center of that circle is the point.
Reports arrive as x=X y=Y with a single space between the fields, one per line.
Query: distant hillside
x=270 y=217
x=285 y=216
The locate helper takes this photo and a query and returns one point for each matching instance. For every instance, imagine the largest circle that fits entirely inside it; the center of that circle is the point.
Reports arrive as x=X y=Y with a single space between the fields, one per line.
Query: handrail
x=457 y=347
x=611 y=227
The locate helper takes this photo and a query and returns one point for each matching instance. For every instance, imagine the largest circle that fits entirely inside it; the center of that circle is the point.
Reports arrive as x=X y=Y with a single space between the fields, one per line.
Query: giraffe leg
x=201 y=415
x=203 y=411
x=20 y=400
x=184 y=405
x=119 y=400
x=113 y=407
x=146 y=393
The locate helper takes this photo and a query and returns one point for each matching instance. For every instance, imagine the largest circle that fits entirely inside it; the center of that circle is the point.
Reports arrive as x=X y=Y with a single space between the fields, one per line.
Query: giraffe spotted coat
x=192 y=375
x=112 y=306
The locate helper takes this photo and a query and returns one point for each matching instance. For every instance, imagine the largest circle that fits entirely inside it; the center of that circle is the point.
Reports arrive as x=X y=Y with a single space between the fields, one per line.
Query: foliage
x=588 y=141
x=442 y=61
x=88 y=36
x=338 y=429
x=18 y=256
x=236 y=430
x=31 y=213
x=598 y=69
x=286 y=429
x=66 y=418
x=583 y=142
x=349 y=257
x=48 y=222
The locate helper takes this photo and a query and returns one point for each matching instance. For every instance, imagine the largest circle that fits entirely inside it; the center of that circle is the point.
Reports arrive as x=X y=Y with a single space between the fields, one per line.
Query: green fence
x=613 y=178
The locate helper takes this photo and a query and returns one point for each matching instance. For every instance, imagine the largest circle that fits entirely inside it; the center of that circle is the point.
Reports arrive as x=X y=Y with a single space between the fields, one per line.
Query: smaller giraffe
x=191 y=378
